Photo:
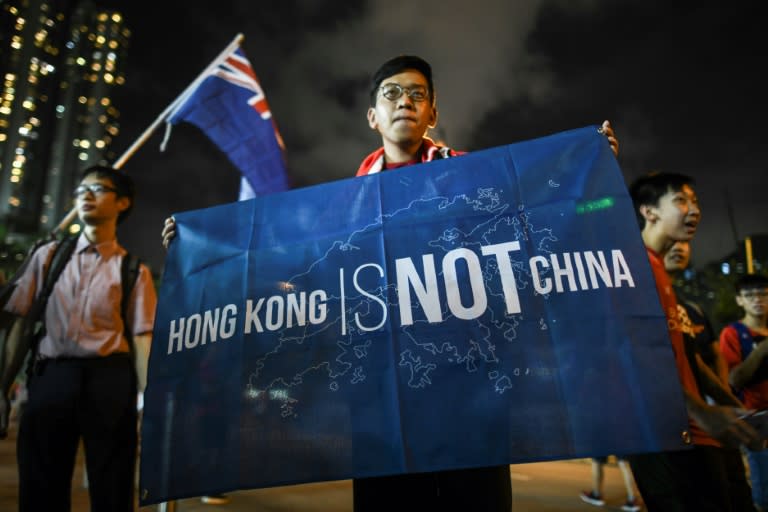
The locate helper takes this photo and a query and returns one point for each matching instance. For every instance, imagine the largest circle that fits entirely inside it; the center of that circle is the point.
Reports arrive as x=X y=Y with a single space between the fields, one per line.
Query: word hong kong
x=221 y=323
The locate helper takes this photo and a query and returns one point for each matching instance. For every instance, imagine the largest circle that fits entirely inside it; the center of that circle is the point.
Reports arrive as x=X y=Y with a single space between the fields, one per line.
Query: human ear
x=649 y=213
x=432 y=117
x=372 y=118
x=123 y=203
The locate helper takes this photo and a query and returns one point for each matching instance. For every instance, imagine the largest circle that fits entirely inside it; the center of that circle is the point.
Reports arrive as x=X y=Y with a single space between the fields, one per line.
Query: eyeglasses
x=94 y=188
x=393 y=91
x=755 y=294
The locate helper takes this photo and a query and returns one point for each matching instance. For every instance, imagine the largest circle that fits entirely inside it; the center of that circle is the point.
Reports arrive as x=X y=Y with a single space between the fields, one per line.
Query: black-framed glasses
x=755 y=294
x=393 y=91
x=95 y=188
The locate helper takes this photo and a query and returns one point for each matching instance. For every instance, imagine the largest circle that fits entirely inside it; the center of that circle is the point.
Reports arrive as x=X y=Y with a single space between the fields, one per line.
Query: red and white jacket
x=429 y=151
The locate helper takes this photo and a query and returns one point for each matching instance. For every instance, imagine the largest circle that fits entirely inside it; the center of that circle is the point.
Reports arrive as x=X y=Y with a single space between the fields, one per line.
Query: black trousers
x=71 y=399
x=690 y=480
x=486 y=489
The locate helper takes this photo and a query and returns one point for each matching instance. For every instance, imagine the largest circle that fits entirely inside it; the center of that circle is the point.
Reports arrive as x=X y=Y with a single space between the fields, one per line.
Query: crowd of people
x=90 y=361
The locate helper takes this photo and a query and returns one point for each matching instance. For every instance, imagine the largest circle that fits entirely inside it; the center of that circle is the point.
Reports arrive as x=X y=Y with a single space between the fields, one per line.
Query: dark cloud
x=680 y=85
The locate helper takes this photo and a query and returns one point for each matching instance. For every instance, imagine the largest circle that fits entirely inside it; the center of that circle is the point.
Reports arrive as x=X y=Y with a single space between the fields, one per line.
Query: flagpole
x=148 y=132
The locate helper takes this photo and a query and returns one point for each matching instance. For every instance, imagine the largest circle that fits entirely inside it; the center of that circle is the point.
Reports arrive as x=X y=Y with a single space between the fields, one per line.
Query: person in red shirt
x=701 y=341
x=744 y=349
x=668 y=211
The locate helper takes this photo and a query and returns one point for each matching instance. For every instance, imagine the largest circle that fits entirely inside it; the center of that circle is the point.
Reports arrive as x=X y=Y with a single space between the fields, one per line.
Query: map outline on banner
x=277 y=417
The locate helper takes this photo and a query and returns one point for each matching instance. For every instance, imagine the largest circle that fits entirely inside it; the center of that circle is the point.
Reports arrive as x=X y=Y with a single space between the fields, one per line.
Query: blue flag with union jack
x=231 y=108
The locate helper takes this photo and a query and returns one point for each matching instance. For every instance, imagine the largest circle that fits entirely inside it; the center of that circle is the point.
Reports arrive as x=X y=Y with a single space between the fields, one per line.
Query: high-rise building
x=61 y=61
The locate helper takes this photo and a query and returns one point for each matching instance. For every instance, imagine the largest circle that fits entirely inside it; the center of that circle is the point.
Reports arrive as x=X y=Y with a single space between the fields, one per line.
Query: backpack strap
x=129 y=273
x=58 y=260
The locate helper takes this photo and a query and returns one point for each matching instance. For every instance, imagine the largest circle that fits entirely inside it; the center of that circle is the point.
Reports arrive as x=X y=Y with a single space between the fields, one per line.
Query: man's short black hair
x=751 y=282
x=120 y=180
x=398 y=65
x=648 y=189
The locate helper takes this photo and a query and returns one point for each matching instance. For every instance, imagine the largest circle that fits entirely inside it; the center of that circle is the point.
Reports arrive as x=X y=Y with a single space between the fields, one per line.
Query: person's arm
x=141 y=319
x=721 y=422
x=141 y=344
x=12 y=354
x=742 y=372
x=714 y=387
x=720 y=364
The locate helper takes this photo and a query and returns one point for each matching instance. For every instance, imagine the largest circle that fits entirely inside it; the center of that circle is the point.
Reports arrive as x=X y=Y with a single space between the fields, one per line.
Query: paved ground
x=539 y=487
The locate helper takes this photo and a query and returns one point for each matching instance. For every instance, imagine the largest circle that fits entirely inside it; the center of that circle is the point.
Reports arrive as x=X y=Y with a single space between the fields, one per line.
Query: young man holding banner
x=402 y=109
x=668 y=210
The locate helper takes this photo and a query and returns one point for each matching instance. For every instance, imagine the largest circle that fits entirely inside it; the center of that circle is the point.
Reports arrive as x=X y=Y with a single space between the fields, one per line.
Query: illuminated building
x=61 y=62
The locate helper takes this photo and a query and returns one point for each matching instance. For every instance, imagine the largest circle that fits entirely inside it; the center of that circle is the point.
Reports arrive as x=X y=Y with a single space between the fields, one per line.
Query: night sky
x=682 y=87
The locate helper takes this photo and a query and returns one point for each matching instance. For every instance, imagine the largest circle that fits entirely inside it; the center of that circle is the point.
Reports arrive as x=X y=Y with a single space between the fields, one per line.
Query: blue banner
x=486 y=309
